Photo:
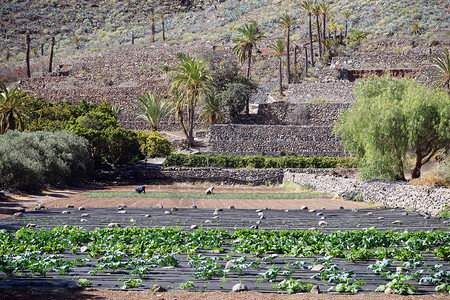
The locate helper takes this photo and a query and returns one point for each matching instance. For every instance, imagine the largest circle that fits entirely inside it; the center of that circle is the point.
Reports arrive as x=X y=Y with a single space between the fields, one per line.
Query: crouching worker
x=141 y=189
x=209 y=191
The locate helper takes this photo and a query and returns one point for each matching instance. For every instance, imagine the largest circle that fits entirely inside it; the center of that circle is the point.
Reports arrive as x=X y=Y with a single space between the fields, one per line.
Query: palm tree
x=441 y=70
x=346 y=15
x=248 y=35
x=161 y=17
x=286 y=21
x=307 y=6
x=192 y=80
x=316 y=11
x=325 y=9
x=153 y=109
x=13 y=108
x=152 y=18
x=212 y=110
x=277 y=49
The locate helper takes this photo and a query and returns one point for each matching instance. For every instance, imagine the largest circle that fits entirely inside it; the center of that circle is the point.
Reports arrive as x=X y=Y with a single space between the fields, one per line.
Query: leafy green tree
x=277 y=49
x=286 y=21
x=153 y=109
x=390 y=118
x=248 y=36
x=235 y=98
x=307 y=6
x=12 y=108
x=153 y=144
x=441 y=70
x=191 y=81
x=110 y=144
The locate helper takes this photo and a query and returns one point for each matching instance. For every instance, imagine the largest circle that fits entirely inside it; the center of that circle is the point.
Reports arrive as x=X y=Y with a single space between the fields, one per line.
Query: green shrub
x=153 y=144
x=236 y=161
x=28 y=160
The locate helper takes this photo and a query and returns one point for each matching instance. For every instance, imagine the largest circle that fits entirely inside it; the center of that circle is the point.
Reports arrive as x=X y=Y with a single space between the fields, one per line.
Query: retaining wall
x=273 y=139
x=314 y=114
x=430 y=200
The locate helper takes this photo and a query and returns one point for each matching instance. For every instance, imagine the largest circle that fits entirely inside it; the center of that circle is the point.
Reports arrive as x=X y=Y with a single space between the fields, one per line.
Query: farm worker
x=209 y=191
x=141 y=189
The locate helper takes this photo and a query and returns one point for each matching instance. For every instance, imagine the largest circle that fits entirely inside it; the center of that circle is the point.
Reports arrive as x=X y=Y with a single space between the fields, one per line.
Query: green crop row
x=257 y=161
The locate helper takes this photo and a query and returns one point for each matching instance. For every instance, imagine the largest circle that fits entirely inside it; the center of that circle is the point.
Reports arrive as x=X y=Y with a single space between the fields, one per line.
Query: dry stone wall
x=273 y=139
x=314 y=114
x=334 y=91
x=430 y=200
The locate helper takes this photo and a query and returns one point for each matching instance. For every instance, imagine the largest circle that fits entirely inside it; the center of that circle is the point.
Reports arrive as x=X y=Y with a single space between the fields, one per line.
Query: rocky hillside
x=98 y=25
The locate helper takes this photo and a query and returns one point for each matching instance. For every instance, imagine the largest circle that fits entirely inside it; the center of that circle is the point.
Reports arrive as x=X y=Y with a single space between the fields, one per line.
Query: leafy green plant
x=443 y=252
x=187 y=285
x=380 y=266
x=344 y=287
x=131 y=283
x=84 y=282
x=270 y=274
x=398 y=284
x=293 y=286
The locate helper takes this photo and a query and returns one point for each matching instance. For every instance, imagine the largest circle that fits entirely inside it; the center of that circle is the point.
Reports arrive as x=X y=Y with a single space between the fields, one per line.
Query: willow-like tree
x=277 y=49
x=245 y=41
x=393 y=118
x=190 y=83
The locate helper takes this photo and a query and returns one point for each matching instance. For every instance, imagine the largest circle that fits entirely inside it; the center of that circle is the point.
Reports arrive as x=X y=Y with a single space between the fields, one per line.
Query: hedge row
x=256 y=162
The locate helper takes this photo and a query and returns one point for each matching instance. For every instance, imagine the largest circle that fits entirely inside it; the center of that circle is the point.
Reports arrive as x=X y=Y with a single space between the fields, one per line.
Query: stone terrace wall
x=380 y=60
x=315 y=114
x=273 y=139
x=430 y=200
x=182 y=174
x=335 y=91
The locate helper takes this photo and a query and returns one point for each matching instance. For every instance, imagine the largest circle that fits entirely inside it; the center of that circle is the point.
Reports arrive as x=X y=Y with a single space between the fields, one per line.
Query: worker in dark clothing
x=141 y=189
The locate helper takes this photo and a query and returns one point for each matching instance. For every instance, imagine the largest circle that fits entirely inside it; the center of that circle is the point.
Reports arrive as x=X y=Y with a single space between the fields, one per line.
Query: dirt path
x=77 y=198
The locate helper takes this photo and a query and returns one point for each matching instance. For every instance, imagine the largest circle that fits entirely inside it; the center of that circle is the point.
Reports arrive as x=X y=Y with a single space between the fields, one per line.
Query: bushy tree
x=153 y=144
x=110 y=144
x=28 y=160
x=392 y=117
x=235 y=97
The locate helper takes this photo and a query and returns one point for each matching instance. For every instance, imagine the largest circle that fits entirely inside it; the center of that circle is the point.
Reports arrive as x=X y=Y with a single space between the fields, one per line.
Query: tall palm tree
x=152 y=18
x=152 y=109
x=441 y=70
x=286 y=21
x=277 y=49
x=316 y=11
x=13 y=108
x=307 y=6
x=248 y=35
x=161 y=17
x=325 y=9
x=346 y=14
x=192 y=81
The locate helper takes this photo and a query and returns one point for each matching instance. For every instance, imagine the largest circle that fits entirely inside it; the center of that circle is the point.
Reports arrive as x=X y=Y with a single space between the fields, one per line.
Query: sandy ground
x=76 y=197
